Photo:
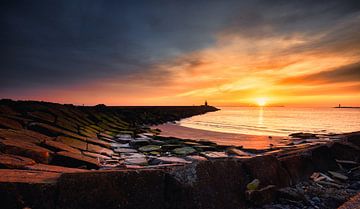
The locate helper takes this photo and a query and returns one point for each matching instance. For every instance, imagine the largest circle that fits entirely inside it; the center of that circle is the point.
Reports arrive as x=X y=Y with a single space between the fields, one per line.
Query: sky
x=230 y=53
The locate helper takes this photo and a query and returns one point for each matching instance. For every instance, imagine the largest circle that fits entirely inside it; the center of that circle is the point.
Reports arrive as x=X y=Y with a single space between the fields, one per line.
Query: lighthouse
x=206 y=104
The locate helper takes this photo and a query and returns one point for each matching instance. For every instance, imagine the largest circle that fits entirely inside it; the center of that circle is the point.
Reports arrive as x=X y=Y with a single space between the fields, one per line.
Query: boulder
x=14 y=161
x=354 y=139
x=268 y=170
x=322 y=158
x=299 y=166
x=26 y=149
x=345 y=151
x=118 y=189
x=74 y=160
x=206 y=185
x=27 y=189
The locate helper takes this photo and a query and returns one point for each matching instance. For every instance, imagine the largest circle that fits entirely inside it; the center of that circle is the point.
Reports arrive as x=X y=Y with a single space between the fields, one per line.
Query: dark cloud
x=60 y=43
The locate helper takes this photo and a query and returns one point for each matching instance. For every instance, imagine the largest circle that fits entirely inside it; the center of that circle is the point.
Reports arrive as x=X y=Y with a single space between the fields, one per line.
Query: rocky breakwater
x=64 y=156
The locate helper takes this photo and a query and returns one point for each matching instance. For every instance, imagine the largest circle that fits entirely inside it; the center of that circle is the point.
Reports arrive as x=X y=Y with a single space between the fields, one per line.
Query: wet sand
x=247 y=141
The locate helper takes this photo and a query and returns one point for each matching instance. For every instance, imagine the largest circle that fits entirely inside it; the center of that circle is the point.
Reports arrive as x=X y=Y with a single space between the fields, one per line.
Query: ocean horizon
x=277 y=121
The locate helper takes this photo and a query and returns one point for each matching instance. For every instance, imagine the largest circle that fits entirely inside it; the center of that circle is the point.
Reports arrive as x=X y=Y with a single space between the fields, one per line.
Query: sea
x=277 y=121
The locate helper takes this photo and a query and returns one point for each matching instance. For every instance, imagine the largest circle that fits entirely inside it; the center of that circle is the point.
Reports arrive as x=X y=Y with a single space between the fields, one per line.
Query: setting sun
x=261 y=101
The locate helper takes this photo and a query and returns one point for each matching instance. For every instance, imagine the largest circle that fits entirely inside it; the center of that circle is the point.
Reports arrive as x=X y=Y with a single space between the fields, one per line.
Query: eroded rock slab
x=26 y=149
x=14 y=161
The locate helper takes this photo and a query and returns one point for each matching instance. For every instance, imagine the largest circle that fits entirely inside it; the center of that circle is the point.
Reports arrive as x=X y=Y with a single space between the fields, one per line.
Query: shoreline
x=229 y=139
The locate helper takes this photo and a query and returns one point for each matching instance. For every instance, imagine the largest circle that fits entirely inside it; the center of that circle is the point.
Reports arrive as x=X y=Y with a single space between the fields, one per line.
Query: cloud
x=348 y=73
x=174 y=48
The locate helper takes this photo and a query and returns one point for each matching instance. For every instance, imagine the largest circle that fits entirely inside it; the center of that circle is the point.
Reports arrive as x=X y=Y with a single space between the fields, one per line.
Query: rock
x=134 y=158
x=123 y=138
x=23 y=135
x=345 y=151
x=53 y=168
x=59 y=146
x=136 y=161
x=204 y=148
x=117 y=145
x=322 y=158
x=206 y=185
x=253 y=185
x=98 y=149
x=53 y=131
x=169 y=147
x=26 y=149
x=72 y=142
x=25 y=188
x=149 y=148
x=290 y=193
x=238 y=152
x=213 y=155
x=268 y=170
x=353 y=203
x=167 y=160
x=139 y=143
x=303 y=135
x=156 y=142
x=9 y=123
x=338 y=175
x=155 y=153
x=184 y=151
x=73 y=160
x=96 y=155
x=98 y=142
x=299 y=166
x=354 y=139
x=42 y=116
x=262 y=196
x=195 y=158
x=128 y=189
x=67 y=124
x=125 y=150
x=14 y=161
x=26 y=176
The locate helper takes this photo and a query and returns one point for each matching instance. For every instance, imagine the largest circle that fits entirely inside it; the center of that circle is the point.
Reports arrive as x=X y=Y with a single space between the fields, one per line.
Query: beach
x=230 y=139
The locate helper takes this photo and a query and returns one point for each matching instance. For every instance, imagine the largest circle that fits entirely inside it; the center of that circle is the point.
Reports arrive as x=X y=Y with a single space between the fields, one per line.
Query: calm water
x=280 y=121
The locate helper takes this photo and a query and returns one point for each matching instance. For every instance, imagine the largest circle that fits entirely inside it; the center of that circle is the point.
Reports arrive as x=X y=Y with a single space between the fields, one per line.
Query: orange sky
x=280 y=54
x=234 y=71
